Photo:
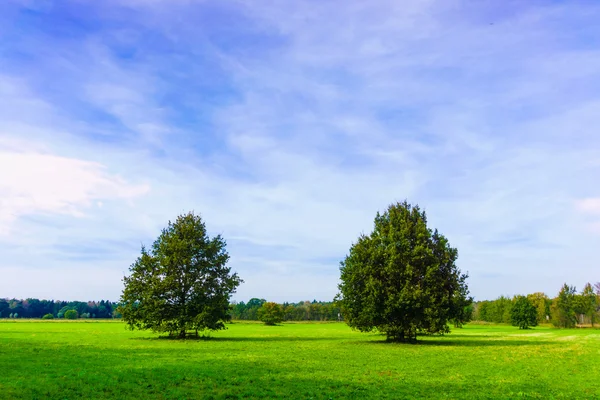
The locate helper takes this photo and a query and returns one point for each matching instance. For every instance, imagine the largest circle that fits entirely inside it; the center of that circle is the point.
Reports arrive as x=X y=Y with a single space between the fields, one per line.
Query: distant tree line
x=35 y=308
x=301 y=311
x=567 y=310
x=250 y=311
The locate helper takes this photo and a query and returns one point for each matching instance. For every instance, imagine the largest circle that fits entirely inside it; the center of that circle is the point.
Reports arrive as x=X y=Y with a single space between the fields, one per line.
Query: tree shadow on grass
x=482 y=341
x=491 y=342
x=486 y=343
x=460 y=335
x=243 y=339
x=521 y=333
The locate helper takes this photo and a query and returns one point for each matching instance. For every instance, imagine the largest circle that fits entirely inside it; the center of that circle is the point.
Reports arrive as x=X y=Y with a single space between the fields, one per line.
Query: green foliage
x=301 y=311
x=247 y=311
x=542 y=303
x=62 y=311
x=270 y=313
x=71 y=314
x=481 y=312
x=523 y=313
x=563 y=308
x=497 y=311
x=588 y=303
x=402 y=278
x=36 y=308
x=48 y=316
x=500 y=310
x=463 y=311
x=182 y=283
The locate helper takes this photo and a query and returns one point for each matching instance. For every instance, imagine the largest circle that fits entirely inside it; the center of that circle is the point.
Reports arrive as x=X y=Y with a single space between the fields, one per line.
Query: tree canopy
x=588 y=302
x=182 y=283
x=563 y=308
x=523 y=313
x=270 y=313
x=402 y=278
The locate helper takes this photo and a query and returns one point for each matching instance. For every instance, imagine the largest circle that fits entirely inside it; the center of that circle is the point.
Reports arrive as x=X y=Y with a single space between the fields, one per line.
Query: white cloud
x=589 y=206
x=589 y=209
x=34 y=183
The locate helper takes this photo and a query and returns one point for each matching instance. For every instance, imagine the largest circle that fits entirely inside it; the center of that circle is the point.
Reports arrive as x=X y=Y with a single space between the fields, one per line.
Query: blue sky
x=288 y=125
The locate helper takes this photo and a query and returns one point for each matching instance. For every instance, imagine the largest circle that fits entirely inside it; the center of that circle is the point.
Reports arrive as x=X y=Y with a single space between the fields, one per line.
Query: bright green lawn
x=67 y=360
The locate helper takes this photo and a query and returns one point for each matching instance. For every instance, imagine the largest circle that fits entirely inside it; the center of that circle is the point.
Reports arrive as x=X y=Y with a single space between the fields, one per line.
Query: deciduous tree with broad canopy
x=182 y=283
x=402 y=278
x=270 y=313
x=523 y=313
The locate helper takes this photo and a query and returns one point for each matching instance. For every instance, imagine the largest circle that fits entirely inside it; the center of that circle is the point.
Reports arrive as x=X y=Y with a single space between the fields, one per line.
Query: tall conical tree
x=589 y=301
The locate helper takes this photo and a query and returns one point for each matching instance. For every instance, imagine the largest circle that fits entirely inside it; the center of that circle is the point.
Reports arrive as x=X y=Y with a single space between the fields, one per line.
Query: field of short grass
x=67 y=360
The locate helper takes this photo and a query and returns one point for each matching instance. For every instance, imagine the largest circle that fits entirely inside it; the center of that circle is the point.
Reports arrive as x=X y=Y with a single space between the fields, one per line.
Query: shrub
x=71 y=314
x=48 y=316
x=270 y=313
x=62 y=311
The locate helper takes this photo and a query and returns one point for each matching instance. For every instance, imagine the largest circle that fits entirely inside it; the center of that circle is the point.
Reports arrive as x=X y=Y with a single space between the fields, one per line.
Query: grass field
x=68 y=360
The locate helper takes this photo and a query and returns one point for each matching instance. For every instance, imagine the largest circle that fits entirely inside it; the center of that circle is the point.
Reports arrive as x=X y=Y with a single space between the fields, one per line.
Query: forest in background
x=568 y=309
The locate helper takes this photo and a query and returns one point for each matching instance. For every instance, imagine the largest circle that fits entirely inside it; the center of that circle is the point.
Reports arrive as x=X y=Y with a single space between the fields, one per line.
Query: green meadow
x=95 y=360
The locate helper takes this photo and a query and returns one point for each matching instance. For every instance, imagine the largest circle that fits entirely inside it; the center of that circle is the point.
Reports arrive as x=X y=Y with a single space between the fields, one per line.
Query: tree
x=182 y=283
x=252 y=308
x=589 y=302
x=523 y=313
x=71 y=314
x=402 y=278
x=462 y=309
x=481 y=312
x=563 y=308
x=541 y=302
x=62 y=311
x=116 y=314
x=597 y=287
x=270 y=313
x=4 y=308
x=500 y=310
x=48 y=316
